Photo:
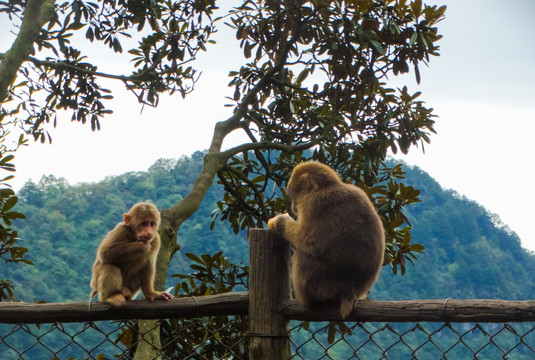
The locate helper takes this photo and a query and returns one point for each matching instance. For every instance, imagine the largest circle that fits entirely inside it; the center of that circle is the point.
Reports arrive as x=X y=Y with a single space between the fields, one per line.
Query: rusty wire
x=201 y=339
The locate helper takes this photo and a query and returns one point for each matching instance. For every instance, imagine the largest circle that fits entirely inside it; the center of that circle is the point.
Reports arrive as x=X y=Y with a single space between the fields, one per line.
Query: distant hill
x=469 y=252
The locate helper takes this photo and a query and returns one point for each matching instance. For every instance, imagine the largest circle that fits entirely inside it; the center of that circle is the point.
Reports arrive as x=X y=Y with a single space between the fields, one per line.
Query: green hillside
x=469 y=253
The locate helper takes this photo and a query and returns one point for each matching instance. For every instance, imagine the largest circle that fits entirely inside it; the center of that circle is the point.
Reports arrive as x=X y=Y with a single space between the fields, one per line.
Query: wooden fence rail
x=450 y=310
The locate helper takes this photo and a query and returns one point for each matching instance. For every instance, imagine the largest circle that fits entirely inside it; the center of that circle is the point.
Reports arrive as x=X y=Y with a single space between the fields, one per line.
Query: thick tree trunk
x=149 y=346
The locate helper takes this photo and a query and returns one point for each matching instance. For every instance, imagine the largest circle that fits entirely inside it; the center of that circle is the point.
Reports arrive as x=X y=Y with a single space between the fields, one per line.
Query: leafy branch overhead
x=329 y=93
x=59 y=73
x=314 y=83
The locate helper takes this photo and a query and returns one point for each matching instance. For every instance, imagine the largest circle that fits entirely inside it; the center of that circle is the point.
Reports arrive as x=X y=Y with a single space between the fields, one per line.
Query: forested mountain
x=469 y=253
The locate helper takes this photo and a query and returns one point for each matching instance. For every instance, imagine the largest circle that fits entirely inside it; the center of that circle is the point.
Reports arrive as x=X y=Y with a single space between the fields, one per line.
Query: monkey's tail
x=346 y=306
x=91 y=296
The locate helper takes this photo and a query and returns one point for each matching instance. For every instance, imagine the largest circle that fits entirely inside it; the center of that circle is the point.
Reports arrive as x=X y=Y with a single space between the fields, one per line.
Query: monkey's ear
x=127 y=218
x=307 y=184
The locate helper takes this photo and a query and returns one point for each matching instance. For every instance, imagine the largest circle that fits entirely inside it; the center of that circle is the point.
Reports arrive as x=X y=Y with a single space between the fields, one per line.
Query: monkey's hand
x=159 y=296
x=143 y=246
x=272 y=223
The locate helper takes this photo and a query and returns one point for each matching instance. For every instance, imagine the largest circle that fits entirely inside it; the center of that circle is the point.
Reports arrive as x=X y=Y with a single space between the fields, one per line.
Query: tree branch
x=269 y=145
x=252 y=186
x=36 y=14
x=215 y=159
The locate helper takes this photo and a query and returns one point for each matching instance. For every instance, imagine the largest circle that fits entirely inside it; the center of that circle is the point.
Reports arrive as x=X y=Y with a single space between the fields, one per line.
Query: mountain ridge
x=469 y=252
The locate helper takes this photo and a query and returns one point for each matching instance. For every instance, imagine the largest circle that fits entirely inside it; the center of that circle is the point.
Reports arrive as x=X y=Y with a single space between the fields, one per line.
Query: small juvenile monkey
x=126 y=258
x=338 y=239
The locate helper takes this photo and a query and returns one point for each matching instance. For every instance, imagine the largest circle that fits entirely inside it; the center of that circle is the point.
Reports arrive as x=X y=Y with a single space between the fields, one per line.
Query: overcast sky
x=482 y=87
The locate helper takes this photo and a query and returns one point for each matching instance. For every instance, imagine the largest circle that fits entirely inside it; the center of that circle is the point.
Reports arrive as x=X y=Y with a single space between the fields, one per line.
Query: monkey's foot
x=116 y=300
x=159 y=296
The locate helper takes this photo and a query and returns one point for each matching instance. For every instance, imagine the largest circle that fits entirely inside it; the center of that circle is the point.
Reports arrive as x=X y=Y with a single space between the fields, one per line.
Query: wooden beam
x=269 y=289
x=185 y=307
x=446 y=310
x=450 y=310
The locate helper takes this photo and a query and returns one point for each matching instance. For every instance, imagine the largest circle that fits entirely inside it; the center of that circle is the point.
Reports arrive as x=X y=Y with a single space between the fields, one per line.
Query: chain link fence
x=201 y=338
x=225 y=337
x=414 y=341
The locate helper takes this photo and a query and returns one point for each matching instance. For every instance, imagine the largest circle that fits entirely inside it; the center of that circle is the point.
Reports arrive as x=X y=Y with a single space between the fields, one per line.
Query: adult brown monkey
x=126 y=258
x=338 y=239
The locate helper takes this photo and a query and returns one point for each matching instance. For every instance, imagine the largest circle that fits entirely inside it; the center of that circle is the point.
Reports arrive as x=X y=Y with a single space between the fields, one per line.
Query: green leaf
x=416 y=7
x=413 y=38
x=377 y=46
x=302 y=76
x=417 y=73
x=417 y=247
x=331 y=334
x=194 y=257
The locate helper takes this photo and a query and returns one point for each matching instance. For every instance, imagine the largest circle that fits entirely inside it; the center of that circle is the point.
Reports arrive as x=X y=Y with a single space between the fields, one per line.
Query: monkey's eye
x=148 y=223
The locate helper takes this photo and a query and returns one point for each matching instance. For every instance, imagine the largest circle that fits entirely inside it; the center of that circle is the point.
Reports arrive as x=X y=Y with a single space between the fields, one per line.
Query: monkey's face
x=143 y=220
x=145 y=229
x=294 y=207
x=291 y=193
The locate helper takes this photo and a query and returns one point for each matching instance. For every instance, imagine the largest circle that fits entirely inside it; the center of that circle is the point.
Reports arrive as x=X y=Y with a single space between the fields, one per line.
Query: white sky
x=482 y=87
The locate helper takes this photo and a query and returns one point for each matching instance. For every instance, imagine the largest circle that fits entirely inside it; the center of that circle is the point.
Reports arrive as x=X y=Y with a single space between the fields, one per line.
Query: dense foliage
x=314 y=75
x=10 y=249
x=469 y=253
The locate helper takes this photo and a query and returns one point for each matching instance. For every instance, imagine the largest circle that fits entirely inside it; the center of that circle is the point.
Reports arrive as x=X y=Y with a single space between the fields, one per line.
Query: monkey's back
x=348 y=238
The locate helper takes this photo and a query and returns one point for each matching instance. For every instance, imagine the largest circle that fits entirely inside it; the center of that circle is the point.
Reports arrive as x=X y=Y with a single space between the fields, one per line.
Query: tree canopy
x=313 y=84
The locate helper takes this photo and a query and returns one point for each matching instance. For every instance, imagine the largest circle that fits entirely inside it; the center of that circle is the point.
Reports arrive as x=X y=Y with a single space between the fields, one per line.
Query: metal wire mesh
x=414 y=341
x=226 y=338
x=202 y=338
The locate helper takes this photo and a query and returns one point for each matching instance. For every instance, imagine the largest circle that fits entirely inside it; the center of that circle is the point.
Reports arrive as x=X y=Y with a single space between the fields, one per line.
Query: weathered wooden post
x=269 y=288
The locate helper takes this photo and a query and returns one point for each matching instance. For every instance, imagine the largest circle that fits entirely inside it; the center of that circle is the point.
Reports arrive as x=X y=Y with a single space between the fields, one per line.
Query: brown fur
x=126 y=258
x=338 y=238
